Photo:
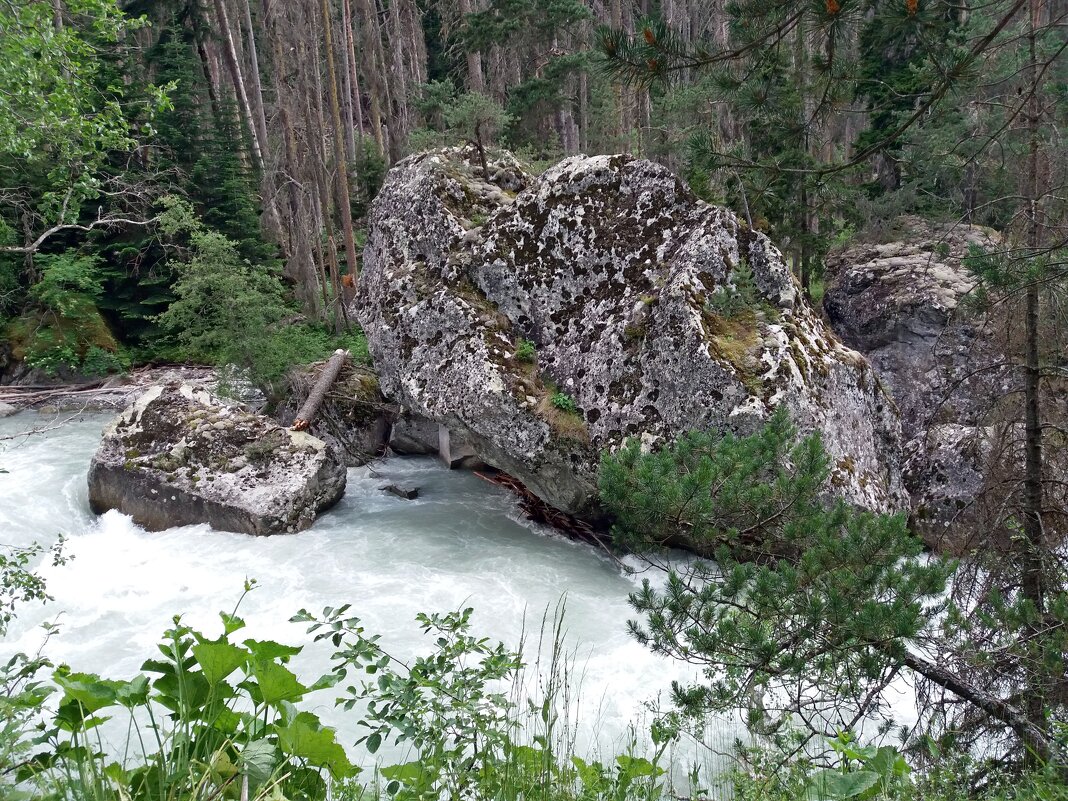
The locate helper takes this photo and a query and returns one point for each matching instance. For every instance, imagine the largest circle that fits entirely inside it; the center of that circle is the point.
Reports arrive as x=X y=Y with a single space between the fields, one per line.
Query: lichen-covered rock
x=902 y=304
x=899 y=303
x=945 y=471
x=354 y=418
x=602 y=301
x=179 y=455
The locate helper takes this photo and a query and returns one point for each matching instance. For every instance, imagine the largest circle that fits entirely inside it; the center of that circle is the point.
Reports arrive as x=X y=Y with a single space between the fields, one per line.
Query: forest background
x=188 y=180
x=241 y=141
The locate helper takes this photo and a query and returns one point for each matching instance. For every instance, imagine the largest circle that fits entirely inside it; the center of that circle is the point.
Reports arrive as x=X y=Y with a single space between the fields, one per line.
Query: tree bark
x=322 y=385
x=234 y=66
x=341 y=171
x=1032 y=545
x=1012 y=716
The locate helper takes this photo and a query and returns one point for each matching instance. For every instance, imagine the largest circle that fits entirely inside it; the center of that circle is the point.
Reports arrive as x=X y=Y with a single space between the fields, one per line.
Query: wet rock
x=6 y=409
x=167 y=462
x=407 y=493
x=412 y=435
x=651 y=313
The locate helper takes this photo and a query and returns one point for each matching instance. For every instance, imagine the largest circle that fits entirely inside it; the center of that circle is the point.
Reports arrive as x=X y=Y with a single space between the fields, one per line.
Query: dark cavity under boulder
x=180 y=456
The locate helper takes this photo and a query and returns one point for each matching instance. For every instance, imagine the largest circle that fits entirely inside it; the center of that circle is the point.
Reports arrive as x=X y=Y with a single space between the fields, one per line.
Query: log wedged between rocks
x=315 y=398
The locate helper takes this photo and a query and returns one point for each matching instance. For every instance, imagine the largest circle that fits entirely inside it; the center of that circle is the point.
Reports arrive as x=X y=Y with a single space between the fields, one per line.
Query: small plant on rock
x=525 y=351
x=564 y=402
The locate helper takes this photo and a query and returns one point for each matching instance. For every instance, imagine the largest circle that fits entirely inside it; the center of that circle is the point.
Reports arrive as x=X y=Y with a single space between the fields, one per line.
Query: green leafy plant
x=525 y=351
x=564 y=402
x=214 y=717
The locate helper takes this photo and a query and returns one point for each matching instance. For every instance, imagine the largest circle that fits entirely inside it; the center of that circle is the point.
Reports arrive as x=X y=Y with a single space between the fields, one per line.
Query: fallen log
x=318 y=393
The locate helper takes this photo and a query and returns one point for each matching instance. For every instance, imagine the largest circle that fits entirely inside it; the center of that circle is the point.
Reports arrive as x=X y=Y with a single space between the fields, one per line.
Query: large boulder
x=544 y=320
x=902 y=303
x=179 y=455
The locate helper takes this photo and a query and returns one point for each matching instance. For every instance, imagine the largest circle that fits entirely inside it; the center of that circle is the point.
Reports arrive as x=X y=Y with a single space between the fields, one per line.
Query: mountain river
x=462 y=543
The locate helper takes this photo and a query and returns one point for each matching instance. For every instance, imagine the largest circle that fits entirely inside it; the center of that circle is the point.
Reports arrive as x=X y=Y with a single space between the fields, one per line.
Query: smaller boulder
x=180 y=456
x=402 y=491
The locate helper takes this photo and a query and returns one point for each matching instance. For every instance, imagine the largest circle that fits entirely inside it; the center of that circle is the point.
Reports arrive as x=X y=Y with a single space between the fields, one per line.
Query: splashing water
x=461 y=543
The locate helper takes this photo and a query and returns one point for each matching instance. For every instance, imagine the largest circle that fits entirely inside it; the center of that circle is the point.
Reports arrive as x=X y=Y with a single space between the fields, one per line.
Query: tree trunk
x=1032 y=545
x=341 y=171
x=350 y=63
x=475 y=80
x=315 y=398
x=234 y=66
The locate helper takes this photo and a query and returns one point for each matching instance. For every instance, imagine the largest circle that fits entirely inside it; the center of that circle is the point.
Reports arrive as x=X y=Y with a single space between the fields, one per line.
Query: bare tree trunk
x=1033 y=547
x=234 y=65
x=475 y=80
x=373 y=69
x=318 y=394
x=259 y=114
x=341 y=172
x=350 y=61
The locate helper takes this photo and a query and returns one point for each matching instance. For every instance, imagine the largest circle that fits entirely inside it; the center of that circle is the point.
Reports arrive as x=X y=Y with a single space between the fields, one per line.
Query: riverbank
x=110 y=394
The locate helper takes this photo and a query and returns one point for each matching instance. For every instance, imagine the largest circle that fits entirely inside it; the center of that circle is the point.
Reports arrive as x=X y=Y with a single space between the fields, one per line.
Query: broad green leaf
x=257 y=760
x=231 y=623
x=408 y=773
x=88 y=690
x=269 y=649
x=276 y=682
x=306 y=738
x=831 y=785
x=133 y=693
x=218 y=658
x=374 y=742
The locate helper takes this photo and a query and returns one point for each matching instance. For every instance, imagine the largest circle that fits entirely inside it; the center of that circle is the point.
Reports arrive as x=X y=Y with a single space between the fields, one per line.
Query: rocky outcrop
x=902 y=304
x=180 y=456
x=544 y=320
x=354 y=418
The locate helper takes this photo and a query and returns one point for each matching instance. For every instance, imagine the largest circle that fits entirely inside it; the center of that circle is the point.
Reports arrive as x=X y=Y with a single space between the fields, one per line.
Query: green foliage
x=475 y=118
x=65 y=330
x=739 y=296
x=525 y=351
x=469 y=735
x=209 y=712
x=55 y=117
x=230 y=311
x=830 y=604
x=19 y=583
x=445 y=705
x=564 y=402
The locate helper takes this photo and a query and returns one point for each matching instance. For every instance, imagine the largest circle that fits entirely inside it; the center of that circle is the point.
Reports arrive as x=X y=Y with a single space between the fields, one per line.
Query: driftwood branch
x=315 y=398
x=101 y=222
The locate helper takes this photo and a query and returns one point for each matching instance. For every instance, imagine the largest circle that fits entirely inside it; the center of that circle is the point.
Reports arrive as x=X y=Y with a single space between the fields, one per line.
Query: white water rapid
x=461 y=543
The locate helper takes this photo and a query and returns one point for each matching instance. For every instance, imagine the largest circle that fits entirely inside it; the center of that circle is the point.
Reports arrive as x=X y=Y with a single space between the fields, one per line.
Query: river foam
x=461 y=543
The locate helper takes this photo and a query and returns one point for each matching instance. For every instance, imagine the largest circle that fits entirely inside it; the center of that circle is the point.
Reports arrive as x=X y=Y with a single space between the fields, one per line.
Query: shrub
x=737 y=297
x=229 y=311
x=564 y=402
x=525 y=351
